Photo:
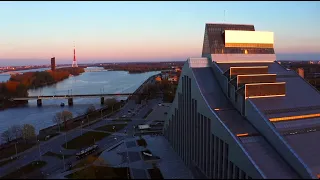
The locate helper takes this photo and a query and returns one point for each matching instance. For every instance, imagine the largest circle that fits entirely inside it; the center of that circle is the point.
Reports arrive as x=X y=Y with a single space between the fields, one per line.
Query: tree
x=90 y=109
x=28 y=132
x=63 y=116
x=110 y=102
x=16 y=130
x=7 y=135
x=154 y=165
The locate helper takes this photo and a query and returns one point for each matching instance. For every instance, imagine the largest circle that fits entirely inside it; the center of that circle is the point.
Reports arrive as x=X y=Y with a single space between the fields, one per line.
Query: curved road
x=55 y=165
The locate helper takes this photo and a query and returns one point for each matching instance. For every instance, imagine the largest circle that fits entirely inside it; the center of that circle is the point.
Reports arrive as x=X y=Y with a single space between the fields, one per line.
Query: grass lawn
x=85 y=140
x=100 y=172
x=89 y=118
x=11 y=151
x=109 y=127
x=121 y=120
x=87 y=160
x=90 y=137
x=7 y=161
x=159 y=121
x=51 y=136
x=20 y=173
x=141 y=142
x=155 y=173
x=49 y=153
x=145 y=116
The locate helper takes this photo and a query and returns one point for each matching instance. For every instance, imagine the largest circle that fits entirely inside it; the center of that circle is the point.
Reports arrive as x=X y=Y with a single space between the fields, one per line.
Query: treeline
x=18 y=84
x=311 y=72
x=142 y=67
x=15 y=132
x=150 y=91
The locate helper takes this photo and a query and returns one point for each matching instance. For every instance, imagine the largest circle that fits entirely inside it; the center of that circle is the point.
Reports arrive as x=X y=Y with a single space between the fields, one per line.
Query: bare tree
x=28 y=132
x=57 y=119
x=16 y=130
x=63 y=116
x=110 y=102
x=7 y=135
x=90 y=109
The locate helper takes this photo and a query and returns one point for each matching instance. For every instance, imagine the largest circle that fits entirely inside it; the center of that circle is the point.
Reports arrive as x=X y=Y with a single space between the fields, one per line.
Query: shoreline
x=77 y=118
x=7 y=104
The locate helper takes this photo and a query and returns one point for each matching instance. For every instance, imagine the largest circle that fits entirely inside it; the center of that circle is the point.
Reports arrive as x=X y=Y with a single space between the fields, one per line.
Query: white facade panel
x=198 y=62
x=255 y=37
x=242 y=58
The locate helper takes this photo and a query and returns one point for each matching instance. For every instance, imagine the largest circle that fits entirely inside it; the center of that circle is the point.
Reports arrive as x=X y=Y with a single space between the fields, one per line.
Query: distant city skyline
x=33 y=32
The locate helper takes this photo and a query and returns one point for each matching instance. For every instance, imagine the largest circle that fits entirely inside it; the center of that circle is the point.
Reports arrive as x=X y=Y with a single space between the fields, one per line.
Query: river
x=86 y=83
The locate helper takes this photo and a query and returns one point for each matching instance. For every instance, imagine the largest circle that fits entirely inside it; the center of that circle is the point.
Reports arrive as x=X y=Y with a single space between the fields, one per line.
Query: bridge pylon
x=39 y=102
x=102 y=100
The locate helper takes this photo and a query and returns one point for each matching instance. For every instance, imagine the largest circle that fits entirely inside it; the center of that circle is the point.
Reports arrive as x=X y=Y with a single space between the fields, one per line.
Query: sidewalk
x=58 y=136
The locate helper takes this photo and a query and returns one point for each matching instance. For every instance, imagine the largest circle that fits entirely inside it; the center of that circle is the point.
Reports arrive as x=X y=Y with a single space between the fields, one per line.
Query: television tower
x=74 y=62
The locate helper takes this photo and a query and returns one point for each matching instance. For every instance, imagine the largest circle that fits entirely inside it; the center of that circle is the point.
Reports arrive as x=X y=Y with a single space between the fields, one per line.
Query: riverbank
x=135 y=71
x=98 y=113
x=19 y=84
x=135 y=68
x=87 y=83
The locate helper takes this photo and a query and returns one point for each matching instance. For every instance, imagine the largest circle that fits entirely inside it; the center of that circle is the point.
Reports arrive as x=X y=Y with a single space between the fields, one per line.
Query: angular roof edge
x=229 y=24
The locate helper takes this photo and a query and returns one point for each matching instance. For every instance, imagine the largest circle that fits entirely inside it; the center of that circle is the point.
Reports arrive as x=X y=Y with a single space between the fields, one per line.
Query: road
x=56 y=165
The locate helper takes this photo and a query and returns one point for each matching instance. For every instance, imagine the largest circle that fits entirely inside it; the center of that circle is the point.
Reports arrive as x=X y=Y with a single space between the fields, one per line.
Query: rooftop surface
x=301 y=134
x=307 y=147
x=261 y=151
x=267 y=159
x=170 y=164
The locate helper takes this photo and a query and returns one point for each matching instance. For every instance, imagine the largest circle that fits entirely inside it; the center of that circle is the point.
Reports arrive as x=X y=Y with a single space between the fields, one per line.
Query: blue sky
x=32 y=32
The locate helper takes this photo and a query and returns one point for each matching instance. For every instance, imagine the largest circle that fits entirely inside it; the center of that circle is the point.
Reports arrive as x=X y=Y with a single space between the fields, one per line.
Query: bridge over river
x=71 y=97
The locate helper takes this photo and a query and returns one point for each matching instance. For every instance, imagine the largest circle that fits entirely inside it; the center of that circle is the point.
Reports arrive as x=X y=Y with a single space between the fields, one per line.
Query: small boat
x=62 y=104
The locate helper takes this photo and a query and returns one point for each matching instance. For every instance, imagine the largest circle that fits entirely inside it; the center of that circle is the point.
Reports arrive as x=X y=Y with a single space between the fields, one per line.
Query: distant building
x=164 y=75
x=158 y=79
x=173 y=78
x=53 y=64
x=177 y=69
x=301 y=72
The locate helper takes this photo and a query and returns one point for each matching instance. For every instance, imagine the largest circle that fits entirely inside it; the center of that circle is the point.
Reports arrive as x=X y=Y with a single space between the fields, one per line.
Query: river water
x=86 y=83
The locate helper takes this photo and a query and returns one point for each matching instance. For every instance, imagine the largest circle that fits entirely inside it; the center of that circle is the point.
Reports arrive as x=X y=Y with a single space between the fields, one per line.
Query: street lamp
x=59 y=126
x=114 y=131
x=15 y=145
x=39 y=150
x=81 y=127
x=65 y=139
x=64 y=164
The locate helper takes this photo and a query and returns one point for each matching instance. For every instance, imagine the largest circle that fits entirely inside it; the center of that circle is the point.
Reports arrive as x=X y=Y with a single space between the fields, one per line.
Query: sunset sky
x=32 y=32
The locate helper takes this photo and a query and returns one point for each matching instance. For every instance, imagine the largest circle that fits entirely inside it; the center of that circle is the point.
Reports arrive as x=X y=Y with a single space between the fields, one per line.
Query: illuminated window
x=245 y=51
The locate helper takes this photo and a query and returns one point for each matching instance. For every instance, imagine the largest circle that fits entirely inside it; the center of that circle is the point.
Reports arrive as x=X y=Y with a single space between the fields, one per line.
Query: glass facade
x=214 y=41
